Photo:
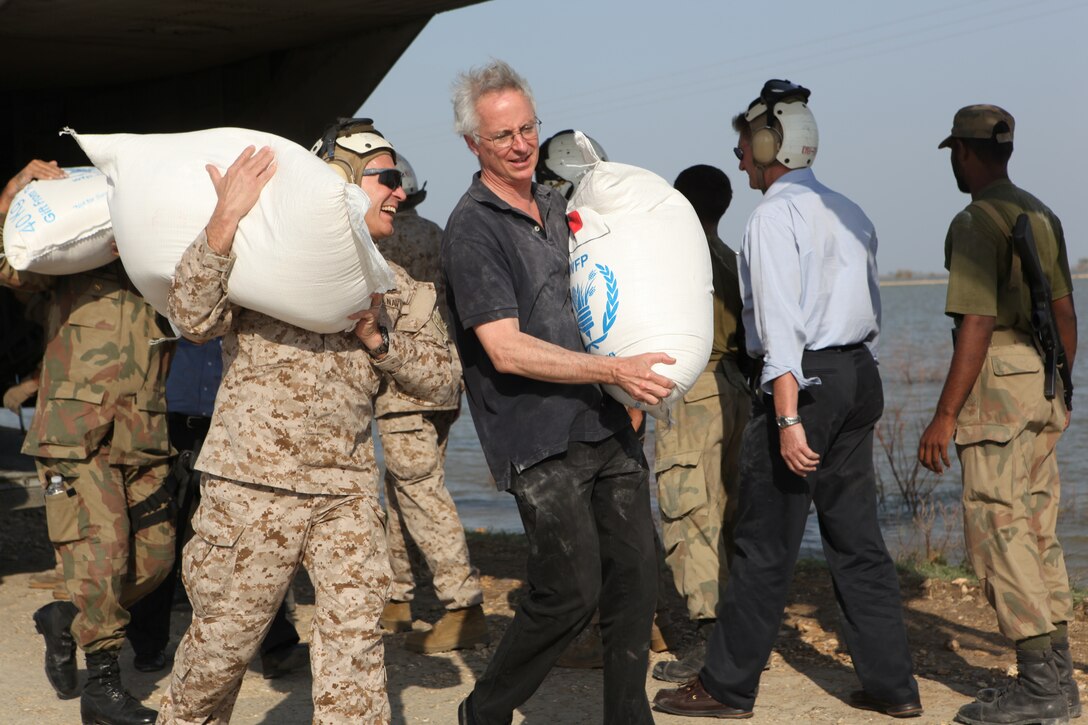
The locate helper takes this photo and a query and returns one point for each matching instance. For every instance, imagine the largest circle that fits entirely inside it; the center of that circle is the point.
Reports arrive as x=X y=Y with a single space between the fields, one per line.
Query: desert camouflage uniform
x=100 y=423
x=291 y=479
x=1007 y=432
x=696 y=456
x=414 y=435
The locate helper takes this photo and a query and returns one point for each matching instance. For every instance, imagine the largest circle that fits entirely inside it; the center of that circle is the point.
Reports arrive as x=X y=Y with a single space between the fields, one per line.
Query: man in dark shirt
x=550 y=436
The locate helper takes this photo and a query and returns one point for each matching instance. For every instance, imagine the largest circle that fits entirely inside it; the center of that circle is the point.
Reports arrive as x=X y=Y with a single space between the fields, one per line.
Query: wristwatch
x=384 y=347
x=785 y=421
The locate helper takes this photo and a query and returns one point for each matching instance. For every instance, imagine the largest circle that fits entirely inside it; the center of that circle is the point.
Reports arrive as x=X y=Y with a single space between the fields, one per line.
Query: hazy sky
x=656 y=83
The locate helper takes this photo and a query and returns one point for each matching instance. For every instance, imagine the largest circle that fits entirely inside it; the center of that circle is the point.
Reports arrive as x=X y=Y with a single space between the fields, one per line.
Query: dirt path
x=951 y=630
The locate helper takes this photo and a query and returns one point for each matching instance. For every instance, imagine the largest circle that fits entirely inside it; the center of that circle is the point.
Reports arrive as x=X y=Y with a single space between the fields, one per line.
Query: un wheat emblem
x=583 y=312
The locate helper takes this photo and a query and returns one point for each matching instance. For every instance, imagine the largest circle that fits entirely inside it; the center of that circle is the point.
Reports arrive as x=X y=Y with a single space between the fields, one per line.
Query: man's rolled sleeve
x=775 y=271
x=421 y=367
x=972 y=263
x=198 y=302
x=11 y=277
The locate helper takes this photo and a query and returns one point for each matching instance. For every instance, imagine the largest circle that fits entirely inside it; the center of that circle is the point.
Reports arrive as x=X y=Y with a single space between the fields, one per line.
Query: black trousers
x=587 y=518
x=839 y=416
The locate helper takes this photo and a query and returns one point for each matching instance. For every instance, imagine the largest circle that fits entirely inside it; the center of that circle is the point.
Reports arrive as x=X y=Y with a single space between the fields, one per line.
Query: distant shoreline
x=943 y=280
x=911 y=282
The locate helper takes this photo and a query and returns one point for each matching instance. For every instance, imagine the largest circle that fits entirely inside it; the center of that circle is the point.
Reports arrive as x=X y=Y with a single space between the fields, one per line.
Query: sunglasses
x=391 y=178
x=739 y=153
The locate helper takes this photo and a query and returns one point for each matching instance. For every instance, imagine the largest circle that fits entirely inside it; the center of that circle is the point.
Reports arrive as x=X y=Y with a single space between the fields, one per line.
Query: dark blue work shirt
x=194 y=378
x=499 y=263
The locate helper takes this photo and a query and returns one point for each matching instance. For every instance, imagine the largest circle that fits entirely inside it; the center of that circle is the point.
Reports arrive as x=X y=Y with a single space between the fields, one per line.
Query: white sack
x=640 y=272
x=60 y=226
x=304 y=254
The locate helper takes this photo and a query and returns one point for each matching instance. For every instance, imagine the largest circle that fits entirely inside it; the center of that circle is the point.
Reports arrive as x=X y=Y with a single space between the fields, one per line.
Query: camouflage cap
x=979 y=121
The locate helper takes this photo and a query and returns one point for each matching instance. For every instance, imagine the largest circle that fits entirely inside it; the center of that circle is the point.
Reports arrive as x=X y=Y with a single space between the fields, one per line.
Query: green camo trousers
x=696 y=464
x=109 y=563
x=1006 y=437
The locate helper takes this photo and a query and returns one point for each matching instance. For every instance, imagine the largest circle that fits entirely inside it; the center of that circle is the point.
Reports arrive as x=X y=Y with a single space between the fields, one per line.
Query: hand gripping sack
x=303 y=253
x=640 y=272
x=60 y=226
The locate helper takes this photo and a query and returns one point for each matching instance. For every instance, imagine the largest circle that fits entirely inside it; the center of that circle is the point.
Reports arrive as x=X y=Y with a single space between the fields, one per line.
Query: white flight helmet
x=561 y=164
x=794 y=139
x=410 y=183
x=349 y=144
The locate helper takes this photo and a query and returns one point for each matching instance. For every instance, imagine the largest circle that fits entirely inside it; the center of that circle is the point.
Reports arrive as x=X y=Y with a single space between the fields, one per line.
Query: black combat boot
x=1034 y=698
x=104 y=700
x=1063 y=660
x=54 y=623
x=686 y=668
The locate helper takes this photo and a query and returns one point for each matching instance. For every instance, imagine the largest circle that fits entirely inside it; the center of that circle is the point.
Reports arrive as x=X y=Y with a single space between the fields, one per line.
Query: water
x=915 y=349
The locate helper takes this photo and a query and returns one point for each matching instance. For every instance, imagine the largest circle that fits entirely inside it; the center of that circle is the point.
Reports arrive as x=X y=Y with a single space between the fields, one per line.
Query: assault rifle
x=1042 y=320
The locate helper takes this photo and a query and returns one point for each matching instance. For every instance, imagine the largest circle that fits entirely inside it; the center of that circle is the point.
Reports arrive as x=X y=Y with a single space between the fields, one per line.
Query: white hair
x=470 y=85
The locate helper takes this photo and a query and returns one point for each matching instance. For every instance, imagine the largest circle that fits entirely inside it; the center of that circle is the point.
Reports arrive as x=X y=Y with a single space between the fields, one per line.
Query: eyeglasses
x=505 y=139
x=392 y=178
x=739 y=153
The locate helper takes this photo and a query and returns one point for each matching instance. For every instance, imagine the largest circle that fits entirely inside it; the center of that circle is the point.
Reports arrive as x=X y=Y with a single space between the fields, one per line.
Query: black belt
x=192 y=422
x=841 y=348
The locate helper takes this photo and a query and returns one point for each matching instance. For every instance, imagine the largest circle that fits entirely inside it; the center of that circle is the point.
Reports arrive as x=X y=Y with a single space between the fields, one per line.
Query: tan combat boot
x=458 y=629
x=396 y=617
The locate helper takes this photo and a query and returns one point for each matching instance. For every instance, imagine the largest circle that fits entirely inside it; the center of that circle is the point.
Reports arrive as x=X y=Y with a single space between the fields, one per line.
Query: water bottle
x=56 y=485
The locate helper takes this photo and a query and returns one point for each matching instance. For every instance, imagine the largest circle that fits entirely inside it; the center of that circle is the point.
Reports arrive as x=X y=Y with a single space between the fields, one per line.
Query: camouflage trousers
x=421 y=510
x=113 y=531
x=248 y=542
x=1006 y=436
x=696 y=460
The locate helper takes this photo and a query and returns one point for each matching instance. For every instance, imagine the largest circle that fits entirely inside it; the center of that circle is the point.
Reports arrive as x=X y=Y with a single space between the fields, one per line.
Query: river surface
x=915 y=348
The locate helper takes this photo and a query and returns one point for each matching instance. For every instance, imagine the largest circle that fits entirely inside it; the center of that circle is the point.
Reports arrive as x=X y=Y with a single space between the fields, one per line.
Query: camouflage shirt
x=984 y=276
x=104 y=370
x=415 y=245
x=294 y=407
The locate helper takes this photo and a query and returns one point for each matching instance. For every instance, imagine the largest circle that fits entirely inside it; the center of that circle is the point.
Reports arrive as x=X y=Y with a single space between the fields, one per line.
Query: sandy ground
x=951 y=629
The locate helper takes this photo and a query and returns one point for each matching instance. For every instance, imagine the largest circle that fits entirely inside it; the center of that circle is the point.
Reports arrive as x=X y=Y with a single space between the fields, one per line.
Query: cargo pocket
x=140 y=433
x=72 y=423
x=999 y=405
x=62 y=515
x=210 y=560
x=408 y=447
x=681 y=486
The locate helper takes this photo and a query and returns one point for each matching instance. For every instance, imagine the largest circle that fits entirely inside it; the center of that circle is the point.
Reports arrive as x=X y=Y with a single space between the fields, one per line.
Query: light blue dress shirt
x=808 y=276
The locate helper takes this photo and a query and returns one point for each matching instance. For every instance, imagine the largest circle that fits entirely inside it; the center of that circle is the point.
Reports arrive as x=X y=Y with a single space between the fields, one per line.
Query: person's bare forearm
x=534 y=358
x=1065 y=319
x=784 y=390
x=516 y=353
x=972 y=344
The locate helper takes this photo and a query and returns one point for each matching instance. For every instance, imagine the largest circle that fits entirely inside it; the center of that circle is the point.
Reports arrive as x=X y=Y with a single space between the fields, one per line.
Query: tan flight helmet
x=349 y=144
x=791 y=138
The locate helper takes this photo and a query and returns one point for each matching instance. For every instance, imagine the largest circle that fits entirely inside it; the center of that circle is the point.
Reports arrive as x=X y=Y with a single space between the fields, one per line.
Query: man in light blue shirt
x=812 y=314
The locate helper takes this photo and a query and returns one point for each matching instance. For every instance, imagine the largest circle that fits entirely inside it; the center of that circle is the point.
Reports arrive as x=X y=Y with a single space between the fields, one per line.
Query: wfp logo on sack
x=584 y=294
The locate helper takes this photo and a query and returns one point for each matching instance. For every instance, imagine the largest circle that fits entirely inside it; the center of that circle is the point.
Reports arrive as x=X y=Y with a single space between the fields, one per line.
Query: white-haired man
x=565 y=451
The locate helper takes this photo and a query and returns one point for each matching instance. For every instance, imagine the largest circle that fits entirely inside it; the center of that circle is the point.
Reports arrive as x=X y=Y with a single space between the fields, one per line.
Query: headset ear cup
x=765 y=145
x=341 y=168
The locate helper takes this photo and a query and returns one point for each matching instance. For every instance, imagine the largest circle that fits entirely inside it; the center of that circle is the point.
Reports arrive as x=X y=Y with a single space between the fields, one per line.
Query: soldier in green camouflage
x=696 y=455
x=414 y=434
x=100 y=444
x=1005 y=429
